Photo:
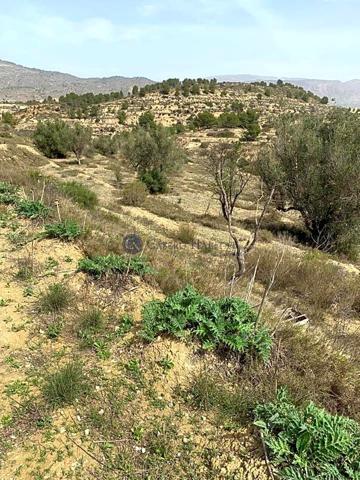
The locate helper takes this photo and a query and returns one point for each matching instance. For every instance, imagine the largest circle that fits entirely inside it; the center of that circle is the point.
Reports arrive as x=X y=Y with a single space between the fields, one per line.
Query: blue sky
x=184 y=38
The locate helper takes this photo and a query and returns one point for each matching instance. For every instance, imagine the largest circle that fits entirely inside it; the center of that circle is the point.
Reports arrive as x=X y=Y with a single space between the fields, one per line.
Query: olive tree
x=314 y=166
x=154 y=153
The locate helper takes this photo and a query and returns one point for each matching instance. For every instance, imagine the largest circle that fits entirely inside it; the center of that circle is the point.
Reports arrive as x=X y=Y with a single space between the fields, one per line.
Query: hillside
x=18 y=83
x=86 y=391
x=345 y=93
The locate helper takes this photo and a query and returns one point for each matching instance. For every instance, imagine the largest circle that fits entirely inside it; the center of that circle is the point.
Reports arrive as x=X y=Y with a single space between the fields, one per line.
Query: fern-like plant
x=228 y=323
x=309 y=443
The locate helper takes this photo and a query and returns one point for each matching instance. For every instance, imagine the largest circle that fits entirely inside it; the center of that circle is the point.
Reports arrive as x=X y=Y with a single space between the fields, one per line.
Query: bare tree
x=226 y=165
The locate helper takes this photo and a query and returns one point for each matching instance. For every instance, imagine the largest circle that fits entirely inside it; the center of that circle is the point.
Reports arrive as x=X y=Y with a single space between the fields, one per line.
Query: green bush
x=66 y=385
x=8 y=119
x=147 y=120
x=309 y=443
x=67 y=230
x=53 y=138
x=204 y=120
x=32 y=209
x=107 y=145
x=228 y=323
x=252 y=132
x=155 y=181
x=80 y=193
x=101 y=265
x=134 y=194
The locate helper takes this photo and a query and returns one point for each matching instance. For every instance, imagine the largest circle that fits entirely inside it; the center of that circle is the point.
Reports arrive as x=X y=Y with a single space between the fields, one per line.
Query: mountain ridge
x=20 y=83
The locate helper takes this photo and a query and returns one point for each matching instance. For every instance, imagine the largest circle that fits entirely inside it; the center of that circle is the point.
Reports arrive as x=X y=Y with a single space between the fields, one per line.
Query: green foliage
x=155 y=181
x=228 y=323
x=252 y=132
x=32 y=209
x=324 y=100
x=101 y=265
x=82 y=106
x=8 y=119
x=153 y=149
x=8 y=193
x=204 y=120
x=147 y=120
x=53 y=138
x=66 y=230
x=66 y=385
x=121 y=116
x=56 y=298
x=80 y=140
x=107 y=145
x=315 y=165
x=309 y=443
x=80 y=193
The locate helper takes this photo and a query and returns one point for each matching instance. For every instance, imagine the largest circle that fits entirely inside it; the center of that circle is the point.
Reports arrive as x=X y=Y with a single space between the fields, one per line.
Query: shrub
x=8 y=119
x=155 y=181
x=134 y=194
x=66 y=385
x=315 y=165
x=204 y=120
x=252 y=132
x=80 y=193
x=101 y=265
x=121 y=116
x=53 y=138
x=309 y=442
x=186 y=233
x=56 y=298
x=32 y=209
x=147 y=120
x=228 y=323
x=107 y=145
x=67 y=230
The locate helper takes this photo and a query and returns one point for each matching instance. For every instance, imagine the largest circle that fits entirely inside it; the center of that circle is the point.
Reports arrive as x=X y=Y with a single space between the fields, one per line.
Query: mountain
x=345 y=93
x=18 y=83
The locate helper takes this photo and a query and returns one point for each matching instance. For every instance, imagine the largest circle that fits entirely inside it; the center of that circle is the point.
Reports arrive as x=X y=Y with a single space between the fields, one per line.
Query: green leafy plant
x=65 y=385
x=227 y=323
x=8 y=193
x=101 y=265
x=309 y=443
x=67 y=230
x=32 y=209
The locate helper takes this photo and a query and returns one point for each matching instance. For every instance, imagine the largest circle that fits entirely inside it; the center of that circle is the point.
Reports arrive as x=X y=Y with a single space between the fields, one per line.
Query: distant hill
x=18 y=83
x=345 y=93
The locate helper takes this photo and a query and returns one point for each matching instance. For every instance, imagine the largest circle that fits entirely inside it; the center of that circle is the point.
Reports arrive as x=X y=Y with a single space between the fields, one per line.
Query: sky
x=184 y=38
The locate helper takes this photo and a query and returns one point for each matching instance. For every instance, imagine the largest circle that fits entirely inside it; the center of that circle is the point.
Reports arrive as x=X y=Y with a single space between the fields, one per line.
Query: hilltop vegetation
x=220 y=342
